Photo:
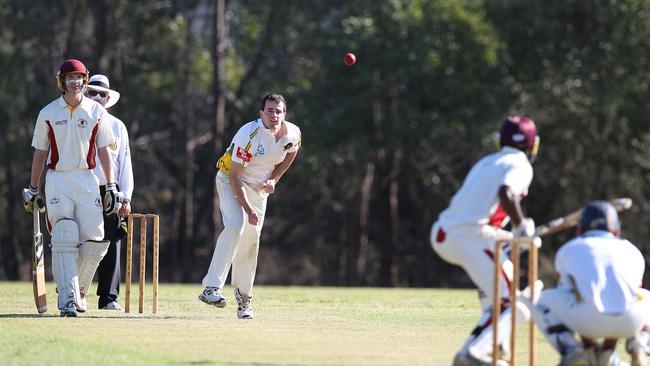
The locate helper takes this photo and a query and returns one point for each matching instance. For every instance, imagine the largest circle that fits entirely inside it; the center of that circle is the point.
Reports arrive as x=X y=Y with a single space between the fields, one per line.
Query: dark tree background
x=386 y=142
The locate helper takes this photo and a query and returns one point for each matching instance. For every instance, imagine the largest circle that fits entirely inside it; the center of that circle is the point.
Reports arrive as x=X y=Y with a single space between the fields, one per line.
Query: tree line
x=386 y=142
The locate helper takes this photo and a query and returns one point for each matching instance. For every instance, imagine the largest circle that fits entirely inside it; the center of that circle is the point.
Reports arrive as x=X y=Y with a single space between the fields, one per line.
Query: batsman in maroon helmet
x=68 y=133
x=489 y=196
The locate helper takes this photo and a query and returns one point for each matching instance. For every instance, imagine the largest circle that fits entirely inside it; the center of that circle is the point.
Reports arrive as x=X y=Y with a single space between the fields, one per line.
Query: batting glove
x=30 y=196
x=526 y=229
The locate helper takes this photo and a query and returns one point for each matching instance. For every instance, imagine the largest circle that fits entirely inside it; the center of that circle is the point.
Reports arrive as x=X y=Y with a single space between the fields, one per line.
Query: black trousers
x=108 y=271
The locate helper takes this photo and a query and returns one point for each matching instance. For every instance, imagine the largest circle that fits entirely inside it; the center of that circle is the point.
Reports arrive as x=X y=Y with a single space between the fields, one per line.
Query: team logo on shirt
x=288 y=146
x=54 y=201
x=61 y=122
x=244 y=155
x=113 y=145
x=82 y=123
x=260 y=150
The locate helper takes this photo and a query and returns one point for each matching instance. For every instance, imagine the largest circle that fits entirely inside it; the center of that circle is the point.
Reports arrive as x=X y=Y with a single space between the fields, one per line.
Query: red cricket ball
x=349 y=59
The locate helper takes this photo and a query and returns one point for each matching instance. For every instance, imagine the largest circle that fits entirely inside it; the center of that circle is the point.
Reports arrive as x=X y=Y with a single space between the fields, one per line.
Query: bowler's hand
x=269 y=186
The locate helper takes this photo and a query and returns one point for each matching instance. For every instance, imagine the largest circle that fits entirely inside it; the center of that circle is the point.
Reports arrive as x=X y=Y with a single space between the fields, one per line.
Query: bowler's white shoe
x=245 y=308
x=213 y=296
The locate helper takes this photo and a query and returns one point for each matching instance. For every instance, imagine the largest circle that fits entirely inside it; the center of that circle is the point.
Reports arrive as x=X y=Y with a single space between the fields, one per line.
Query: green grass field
x=292 y=326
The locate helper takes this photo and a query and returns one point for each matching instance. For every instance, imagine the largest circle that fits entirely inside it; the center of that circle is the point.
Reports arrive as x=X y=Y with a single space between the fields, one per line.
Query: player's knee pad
x=65 y=240
x=90 y=254
x=65 y=236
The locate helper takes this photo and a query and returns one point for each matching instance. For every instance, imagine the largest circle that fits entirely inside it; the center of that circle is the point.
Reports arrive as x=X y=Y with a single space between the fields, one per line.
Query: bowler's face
x=273 y=114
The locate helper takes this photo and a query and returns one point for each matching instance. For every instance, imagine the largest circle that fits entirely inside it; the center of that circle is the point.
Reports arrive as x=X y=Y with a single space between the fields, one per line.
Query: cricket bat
x=38 y=263
x=572 y=219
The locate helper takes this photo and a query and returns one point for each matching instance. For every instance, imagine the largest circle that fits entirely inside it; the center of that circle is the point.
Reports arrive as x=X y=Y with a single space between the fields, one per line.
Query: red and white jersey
x=120 y=156
x=72 y=135
x=606 y=271
x=477 y=200
x=254 y=147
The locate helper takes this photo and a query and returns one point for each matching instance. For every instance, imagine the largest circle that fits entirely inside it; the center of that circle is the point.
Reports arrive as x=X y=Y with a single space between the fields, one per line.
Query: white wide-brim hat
x=100 y=83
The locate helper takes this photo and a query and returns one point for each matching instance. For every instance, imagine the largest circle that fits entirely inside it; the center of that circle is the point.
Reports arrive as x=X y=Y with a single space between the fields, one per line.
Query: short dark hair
x=274 y=97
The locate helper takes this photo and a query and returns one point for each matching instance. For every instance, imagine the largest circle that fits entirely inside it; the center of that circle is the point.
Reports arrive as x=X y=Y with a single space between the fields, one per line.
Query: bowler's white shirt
x=477 y=200
x=72 y=135
x=120 y=156
x=606 y=270
x=260 y=153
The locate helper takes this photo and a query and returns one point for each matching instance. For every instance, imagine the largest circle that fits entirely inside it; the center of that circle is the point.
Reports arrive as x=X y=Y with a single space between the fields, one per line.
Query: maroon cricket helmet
x=519 y=132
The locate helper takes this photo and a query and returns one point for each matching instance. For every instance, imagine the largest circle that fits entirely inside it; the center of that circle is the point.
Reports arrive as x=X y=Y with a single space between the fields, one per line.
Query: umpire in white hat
x=108 y=272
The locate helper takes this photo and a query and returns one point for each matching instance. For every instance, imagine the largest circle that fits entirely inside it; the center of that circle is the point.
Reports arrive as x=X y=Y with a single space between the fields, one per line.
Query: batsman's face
x=74 y=83
x=273 y=114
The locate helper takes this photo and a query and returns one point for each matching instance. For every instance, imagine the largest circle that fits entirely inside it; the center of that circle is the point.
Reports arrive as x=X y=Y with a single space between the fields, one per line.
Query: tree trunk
x=387 y=193
x=364 y=213
x=190 y=147
x=99 y=61
x=218 y=95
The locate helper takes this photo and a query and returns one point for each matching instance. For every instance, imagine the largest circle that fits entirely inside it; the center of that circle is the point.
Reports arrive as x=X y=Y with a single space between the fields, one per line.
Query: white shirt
x=120 y=156
x=477 y=200
x=254 y=147
x=72 y=135
x=605 y=270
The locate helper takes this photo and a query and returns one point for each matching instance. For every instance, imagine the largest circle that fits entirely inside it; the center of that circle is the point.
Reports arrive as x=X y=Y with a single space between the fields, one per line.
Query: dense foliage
x=386 y=142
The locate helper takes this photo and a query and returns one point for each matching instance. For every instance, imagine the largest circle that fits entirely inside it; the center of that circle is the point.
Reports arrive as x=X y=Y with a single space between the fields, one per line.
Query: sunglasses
x=93 y=93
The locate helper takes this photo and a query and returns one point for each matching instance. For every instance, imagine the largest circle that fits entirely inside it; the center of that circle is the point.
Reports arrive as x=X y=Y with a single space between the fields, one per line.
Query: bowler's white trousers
x=238 y=243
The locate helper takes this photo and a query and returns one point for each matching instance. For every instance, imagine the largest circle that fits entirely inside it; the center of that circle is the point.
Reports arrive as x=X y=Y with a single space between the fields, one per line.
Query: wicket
x=496 y=308
x=143 y=257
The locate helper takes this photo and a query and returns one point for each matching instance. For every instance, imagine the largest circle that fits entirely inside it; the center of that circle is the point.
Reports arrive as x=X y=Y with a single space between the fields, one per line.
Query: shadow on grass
x=27 y=316
x=116 y=316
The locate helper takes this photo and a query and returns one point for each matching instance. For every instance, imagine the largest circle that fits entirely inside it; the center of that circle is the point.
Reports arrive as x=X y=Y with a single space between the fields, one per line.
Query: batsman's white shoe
x=245 y=307
x=82 y=306
x=69 y=310
x=213 y=296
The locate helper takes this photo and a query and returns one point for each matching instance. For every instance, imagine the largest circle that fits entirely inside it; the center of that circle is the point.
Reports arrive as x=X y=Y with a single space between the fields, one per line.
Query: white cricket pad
x=90 y=254
x=482 y=344
x=65 y=240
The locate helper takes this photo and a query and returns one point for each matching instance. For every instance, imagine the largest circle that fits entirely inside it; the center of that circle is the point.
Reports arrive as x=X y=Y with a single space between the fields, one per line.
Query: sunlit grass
x=292 y=326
